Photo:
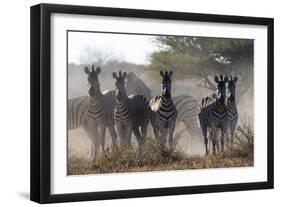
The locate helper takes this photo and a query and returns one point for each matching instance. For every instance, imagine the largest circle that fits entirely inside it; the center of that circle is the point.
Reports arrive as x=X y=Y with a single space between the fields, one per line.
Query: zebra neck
x=220 y=106
x=167 y=110
x=122 y=113
x=120 y=106
x=231 y=104
x=231 y=107
x=96 y=107
x=166 y=101
x=97 y=98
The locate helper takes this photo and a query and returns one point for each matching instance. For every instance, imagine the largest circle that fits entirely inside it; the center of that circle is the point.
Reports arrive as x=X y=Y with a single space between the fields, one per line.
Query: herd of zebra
x=130 y=108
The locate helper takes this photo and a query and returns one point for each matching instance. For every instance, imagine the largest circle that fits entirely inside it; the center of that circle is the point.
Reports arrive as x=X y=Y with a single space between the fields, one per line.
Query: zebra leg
x=87 y=130
x=171 y=133
x=128 y=131
x=217 y=137
x=93 y=133
x=113 y=135
x=139 y=137
x=204 y=132
x=156 y=132
x=228 y=136
x=120 y=132
x=232 y=132
x=204 y=129
x=214 y=139
x=144 y=131
x=163 y=134
x=155 y=126
x=102 y=133
x=223 y=130
x=96 y=142
x=209 y=137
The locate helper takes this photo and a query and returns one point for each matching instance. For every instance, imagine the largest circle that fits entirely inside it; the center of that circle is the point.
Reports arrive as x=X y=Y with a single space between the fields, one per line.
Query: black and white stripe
x=163 y=111
x=93 y=113
x=213 y=114
x=135 y=85
x=77 y=109
x=231 y=110
x=131 y=113
x=186 y=105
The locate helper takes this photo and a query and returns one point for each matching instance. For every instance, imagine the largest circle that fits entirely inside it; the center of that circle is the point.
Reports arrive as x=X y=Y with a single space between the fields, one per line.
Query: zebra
x=135 y=85
x=131 y=113
x=186 y=106
x=213 y=114
x=163 y=111
x=77 y=109
x=94 y=112
x=231 y=110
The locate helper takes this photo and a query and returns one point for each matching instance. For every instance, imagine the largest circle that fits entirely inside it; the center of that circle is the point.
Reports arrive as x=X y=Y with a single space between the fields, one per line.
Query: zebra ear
x=162 y=73
x=235 y=79
x=217 y=79
x=124 y=75
x=226 y=79
x=87 y=70
x=170 y=73
x=98 y=70
x=114 y=75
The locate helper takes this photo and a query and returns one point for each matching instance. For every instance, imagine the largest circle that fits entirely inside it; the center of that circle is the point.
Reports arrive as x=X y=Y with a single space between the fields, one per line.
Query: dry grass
x=155 y=158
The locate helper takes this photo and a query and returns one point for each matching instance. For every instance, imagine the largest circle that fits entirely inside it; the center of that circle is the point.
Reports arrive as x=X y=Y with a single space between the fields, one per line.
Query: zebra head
x=232 y=88
x=221 y=89
x=166 y=84
x=120 y=91
x=93 y=80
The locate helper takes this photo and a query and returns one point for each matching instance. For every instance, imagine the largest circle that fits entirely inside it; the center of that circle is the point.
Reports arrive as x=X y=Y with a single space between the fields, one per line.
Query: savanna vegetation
x=191 y=58
x=201 y=58
x=155 y=158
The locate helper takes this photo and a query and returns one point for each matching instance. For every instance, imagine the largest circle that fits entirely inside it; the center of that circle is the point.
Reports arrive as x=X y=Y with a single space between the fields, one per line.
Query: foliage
x=156 y=158
x=244 y=139
x=200 y=57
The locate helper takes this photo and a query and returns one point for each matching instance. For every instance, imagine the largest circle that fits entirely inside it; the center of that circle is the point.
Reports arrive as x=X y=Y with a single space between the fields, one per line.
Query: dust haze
x=139 y=54
x=78 y=142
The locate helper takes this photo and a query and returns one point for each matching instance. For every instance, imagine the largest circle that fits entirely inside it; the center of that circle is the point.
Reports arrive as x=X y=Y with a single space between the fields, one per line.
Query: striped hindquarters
x=139 y=108
x=186 y=107
x=187 y=113
x=206 y=102
x=77 y=110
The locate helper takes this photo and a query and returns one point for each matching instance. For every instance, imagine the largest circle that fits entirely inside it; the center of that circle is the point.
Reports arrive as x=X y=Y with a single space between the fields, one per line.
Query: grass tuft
x=155 y=158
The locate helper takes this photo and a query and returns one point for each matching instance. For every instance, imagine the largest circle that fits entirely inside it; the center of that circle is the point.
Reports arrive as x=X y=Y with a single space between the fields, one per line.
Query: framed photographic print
x=133 y=103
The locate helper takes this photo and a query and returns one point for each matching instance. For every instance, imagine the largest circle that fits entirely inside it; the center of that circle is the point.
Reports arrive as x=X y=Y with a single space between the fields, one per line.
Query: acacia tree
x=203 y=57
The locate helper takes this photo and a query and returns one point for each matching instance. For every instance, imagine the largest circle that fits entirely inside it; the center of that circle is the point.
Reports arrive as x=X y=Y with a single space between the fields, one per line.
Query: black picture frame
x=41 y=99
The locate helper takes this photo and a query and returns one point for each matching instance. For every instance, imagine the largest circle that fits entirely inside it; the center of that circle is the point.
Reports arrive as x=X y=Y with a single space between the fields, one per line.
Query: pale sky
x=130 y=48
